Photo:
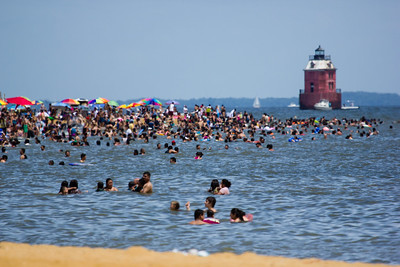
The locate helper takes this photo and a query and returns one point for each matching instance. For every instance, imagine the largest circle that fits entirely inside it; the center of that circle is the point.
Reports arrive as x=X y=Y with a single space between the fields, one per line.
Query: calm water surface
x=332 y=199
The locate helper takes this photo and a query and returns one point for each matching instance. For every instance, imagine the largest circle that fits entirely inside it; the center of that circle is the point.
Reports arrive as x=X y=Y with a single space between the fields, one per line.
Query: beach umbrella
x=122 y=106
x=170 y=102
x=37 y=102
x=99 y=100
x=113 y=103
x=20 y=100
x=3 y=103
x=70 y=101
x=151 y=101
x=134 y=105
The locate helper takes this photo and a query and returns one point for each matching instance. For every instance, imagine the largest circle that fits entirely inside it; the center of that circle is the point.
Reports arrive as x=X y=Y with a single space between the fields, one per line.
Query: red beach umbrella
x=20 y=100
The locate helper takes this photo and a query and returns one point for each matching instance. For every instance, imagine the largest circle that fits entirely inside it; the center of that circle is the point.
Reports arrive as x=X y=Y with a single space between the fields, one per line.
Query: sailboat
x=256 y=103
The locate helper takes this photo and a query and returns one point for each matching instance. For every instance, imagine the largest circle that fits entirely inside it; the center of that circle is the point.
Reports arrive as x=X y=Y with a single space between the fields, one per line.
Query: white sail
x=256 y=103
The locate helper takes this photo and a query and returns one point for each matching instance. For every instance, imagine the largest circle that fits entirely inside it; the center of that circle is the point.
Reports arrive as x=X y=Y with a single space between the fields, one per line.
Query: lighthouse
x=320 y=82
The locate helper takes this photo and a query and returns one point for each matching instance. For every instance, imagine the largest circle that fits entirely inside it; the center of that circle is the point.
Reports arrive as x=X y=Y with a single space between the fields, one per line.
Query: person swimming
x=214 y=187
x=198 y=217
x=210 y=218
x=175 y=205
x=238 y=215
x=109 y=185
x=225 y=184
x=100 y=187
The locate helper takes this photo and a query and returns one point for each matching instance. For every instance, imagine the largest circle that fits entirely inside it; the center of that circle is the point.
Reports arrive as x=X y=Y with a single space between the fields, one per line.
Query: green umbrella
x=113 y=103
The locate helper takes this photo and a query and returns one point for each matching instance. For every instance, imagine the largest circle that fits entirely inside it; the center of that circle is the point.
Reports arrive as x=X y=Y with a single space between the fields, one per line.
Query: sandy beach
x=12 y=254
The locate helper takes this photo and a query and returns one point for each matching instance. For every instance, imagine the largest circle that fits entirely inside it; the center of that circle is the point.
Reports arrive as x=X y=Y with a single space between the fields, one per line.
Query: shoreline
x=15 y=254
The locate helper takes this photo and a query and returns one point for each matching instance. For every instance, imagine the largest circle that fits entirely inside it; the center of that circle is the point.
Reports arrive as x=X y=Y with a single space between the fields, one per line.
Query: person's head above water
x=174 y=205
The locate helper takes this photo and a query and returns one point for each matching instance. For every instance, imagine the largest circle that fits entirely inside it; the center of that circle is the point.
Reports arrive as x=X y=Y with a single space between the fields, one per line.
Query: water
x=331 y=199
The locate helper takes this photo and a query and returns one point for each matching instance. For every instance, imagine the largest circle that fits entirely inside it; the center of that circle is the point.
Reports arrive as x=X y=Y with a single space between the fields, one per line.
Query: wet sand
x=12 y=254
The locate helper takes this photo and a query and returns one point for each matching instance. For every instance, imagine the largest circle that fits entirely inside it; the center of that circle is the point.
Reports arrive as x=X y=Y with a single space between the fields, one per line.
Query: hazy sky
x=181 y=49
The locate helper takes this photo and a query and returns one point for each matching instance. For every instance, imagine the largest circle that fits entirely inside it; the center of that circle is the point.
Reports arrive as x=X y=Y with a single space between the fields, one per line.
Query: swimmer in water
x=175 y=205
x=214 y=187
x=83 y=157
x=238 y=215
x=109 y=185
x=225 y=184
x=100 y=187
x=210 y=218
x=199 y=155
x=209 y=203
x=198 y=217
x=4 y=158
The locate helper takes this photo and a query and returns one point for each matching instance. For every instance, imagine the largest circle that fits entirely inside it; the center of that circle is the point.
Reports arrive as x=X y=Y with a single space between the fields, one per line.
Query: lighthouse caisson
x=320 y=82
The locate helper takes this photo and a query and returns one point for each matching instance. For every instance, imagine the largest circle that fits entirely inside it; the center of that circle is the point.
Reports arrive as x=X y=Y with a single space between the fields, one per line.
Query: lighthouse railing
x=301 y=91
x=315 y=57
x=339 y=91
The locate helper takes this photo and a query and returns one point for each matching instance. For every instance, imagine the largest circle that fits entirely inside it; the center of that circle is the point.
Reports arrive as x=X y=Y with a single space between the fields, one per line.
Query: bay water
x=331 y=198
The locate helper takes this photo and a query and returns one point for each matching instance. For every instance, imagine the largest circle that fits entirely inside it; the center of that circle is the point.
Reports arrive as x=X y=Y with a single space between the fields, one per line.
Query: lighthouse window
x=312 y=87
x=330 y=85
x=312 y=64
x=330 y=75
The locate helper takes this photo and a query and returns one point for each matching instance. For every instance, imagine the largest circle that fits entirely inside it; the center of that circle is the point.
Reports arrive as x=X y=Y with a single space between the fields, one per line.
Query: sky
x=184 y=49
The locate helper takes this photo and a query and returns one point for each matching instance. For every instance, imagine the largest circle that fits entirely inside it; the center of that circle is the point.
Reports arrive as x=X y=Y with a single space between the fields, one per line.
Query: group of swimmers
x=200 y=218
x=142 y=185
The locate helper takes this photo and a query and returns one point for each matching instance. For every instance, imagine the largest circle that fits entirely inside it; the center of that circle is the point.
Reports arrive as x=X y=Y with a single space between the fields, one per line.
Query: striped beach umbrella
x=70 y=101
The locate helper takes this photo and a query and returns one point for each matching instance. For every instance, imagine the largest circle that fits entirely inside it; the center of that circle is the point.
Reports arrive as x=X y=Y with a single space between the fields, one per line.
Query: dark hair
x=100 y=186
x=63 y=183
x=135 y=152
x=148 y=173
x=83 y=155
x=198 y=213
x=173 y=159
x=210 y=213
x=140 y=185
x=238 y=213
x=130 y=184
x=214 y=184
x=226 y=183
x=212 y=201
x=61 y=163
x=73 y=183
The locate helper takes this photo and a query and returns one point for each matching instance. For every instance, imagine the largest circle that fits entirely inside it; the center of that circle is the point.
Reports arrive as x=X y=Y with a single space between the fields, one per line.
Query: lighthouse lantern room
x=320 y=82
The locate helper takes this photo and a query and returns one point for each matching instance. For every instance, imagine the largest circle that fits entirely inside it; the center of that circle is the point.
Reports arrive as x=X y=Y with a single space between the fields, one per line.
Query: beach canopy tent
x=20 y=101
x=3 y=103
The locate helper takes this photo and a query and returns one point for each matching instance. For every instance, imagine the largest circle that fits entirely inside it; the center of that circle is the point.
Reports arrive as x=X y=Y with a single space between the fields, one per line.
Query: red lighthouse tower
x=320 y=82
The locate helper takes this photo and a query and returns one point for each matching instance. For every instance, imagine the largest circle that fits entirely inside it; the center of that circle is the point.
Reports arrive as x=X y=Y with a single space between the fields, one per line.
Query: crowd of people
x=123 y=127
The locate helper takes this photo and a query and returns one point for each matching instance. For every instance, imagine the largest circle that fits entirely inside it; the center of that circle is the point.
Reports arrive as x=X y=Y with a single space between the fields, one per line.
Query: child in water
x=210 y=218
